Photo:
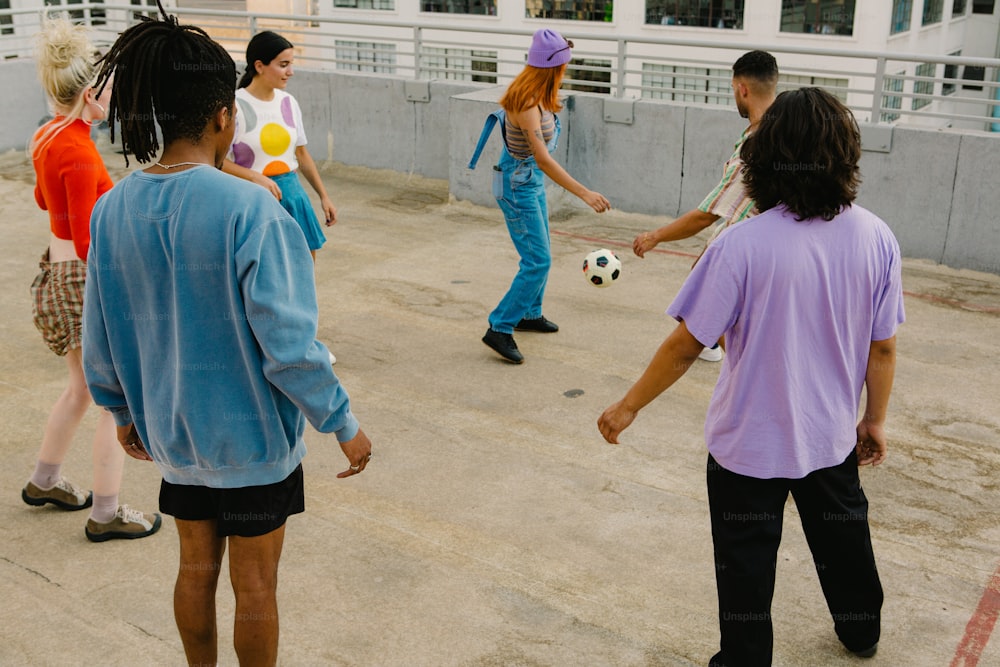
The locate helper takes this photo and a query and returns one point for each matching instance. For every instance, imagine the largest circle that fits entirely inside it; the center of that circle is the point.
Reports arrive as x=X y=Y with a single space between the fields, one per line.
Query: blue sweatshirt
x=200 y=327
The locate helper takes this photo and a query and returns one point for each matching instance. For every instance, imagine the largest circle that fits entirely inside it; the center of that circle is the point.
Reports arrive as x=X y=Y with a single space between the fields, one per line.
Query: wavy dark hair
x=804 y=154
x=165 y=74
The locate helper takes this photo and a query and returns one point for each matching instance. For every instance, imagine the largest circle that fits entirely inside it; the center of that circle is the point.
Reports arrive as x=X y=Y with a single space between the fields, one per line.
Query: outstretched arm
x=530 y=122
x=683 y=227
x=670 y=362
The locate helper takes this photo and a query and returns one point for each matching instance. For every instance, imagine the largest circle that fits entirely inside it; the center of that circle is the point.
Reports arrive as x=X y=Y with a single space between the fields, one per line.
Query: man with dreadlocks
x=200 y=333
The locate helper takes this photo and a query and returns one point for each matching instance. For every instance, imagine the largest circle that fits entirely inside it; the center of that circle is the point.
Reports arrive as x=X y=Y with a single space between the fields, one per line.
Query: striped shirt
x=729 y=200
x=517 y=140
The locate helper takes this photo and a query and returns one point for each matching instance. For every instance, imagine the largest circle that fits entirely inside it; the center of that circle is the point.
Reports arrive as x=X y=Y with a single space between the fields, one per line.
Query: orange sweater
x=70 y=176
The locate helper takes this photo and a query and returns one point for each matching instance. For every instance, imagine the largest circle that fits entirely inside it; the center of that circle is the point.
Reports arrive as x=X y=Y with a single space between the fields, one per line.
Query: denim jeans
x=520 y=192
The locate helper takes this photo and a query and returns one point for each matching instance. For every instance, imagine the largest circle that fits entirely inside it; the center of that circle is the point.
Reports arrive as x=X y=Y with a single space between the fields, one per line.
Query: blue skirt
x=295 y=200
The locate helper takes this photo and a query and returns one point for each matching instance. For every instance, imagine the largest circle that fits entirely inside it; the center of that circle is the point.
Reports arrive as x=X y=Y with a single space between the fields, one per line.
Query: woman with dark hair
x=200 y=334
x=530 y=132
x=269 y=145
x=70 y=176
x=809 y=297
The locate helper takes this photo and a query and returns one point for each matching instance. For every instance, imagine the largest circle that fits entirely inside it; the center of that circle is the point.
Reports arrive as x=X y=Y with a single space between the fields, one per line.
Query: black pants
x=746 y=530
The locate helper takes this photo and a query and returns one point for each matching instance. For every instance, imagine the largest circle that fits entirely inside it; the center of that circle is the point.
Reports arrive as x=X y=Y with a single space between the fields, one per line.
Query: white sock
x=46 y=475
x=104 y=508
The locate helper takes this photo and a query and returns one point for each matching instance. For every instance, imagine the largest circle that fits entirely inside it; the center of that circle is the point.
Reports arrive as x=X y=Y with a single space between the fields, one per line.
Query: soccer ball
x=602 y=267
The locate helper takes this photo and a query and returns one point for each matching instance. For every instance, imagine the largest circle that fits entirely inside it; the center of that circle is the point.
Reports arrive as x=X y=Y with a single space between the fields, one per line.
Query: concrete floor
x=494 y=526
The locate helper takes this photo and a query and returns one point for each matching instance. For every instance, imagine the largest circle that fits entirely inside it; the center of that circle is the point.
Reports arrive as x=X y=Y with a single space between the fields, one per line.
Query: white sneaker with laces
x=711 y=354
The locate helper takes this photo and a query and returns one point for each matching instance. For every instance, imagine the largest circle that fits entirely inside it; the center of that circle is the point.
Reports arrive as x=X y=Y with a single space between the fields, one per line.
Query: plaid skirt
x=57 y=303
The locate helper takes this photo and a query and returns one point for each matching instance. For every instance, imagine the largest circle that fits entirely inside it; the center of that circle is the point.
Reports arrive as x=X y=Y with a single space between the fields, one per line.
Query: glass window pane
x=723 y=14
x=932 y=11
x=572 y=10
x=486 y=7
x=901 y=11
x=819 y=17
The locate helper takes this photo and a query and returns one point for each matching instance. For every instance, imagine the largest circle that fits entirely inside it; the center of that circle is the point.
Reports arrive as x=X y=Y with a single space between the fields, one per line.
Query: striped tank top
x=517 y=141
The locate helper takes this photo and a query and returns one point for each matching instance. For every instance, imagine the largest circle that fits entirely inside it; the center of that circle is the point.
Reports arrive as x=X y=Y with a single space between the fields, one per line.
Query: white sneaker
x=333 y=359
x=711 y=354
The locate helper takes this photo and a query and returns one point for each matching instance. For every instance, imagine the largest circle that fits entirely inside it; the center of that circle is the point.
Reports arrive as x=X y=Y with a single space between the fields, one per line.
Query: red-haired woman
x=531 y=130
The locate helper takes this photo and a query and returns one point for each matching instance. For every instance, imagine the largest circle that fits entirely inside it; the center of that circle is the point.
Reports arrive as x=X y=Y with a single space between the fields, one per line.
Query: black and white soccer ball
x=602 y=267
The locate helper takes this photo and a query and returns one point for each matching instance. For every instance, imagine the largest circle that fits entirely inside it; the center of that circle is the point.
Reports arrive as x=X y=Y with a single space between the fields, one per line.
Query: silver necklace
x=179 y=164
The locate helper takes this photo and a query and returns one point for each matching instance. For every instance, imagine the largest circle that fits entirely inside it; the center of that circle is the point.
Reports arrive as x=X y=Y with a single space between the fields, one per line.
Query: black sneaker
x=504 y=345
x=538 y=325
x=868 y=652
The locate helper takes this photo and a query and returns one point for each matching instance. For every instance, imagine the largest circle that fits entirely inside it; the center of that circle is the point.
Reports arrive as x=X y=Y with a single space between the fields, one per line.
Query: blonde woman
x=70 y=176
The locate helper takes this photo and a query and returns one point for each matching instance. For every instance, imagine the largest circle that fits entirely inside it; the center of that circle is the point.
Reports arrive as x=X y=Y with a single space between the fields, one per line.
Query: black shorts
x=247 y=511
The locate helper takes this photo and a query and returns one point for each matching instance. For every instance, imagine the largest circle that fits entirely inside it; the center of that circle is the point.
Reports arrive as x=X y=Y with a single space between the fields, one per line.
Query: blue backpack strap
x=497 y=116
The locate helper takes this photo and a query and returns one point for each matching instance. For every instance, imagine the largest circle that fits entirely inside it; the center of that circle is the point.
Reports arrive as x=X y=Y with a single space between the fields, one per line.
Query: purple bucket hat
x=549 y=49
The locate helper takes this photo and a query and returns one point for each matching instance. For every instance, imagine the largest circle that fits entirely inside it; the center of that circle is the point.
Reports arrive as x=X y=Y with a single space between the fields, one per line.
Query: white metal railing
x=878 y=86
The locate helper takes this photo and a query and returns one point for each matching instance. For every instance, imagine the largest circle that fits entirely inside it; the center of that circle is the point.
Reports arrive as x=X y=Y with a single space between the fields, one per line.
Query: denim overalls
x=519 y=188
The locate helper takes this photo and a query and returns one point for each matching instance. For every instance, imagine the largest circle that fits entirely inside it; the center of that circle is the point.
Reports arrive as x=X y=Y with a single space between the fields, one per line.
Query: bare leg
x=109 y=457
x=253 y=568
x=66 y=414
x=194 y=592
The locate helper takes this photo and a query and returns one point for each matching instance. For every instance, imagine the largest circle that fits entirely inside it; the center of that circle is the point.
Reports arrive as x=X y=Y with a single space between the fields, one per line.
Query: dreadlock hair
x=804 y=154
x=173 y=74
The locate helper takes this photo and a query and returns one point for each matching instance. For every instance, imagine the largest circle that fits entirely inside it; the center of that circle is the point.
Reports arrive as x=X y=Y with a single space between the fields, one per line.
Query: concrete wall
x=23 y=106
x=936 y=189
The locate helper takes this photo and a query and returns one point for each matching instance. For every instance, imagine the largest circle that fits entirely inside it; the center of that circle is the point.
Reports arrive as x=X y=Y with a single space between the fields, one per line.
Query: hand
x=268 y=184
x=871 y=447
x=129 y=439
x=614 y=420
x=358 y=451
x=329 y=211
x=643 y=243
x=596 y=201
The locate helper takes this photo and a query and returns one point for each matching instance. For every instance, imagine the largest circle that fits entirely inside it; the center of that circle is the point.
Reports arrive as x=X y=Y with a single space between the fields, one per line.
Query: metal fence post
x=622 y=45
x=877 y=91
x=416 y=51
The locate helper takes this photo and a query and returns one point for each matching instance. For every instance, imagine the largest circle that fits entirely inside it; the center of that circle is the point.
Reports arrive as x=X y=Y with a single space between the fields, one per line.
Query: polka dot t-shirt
x=267 y=133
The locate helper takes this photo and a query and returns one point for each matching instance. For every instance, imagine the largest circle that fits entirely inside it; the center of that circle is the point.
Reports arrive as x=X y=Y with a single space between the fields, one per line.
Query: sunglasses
x=569 y=45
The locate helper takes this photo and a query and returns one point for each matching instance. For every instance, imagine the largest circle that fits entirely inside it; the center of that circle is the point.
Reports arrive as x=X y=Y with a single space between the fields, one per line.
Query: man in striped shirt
x=755 y=79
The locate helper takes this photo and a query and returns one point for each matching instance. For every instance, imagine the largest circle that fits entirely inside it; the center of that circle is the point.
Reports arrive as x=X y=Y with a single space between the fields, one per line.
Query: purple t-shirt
x=799 y=304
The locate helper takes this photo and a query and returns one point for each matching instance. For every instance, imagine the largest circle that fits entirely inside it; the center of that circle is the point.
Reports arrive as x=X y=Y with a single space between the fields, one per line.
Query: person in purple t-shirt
x=808 y=295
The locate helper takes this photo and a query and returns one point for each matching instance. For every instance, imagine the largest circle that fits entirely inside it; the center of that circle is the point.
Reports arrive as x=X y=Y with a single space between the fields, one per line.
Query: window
x=958 y=8
x=727 y=14
x=366 y=56
x=818 y=17
x=574 y=10
x=901 y=11
x=973 y=73
x=586 y=69
x=834 y=86
x=950 y=72
x=487 y=7
x=982 y=6
x=892 y=84
x=699 y=85
x=932 y=11
x=459 y=64
x=6 y=22
x=92 y=16
x=366 y=4
x=923 y=87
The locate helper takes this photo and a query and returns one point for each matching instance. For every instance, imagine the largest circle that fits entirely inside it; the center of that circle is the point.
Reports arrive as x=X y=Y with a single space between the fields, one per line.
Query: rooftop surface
x=494 y=526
